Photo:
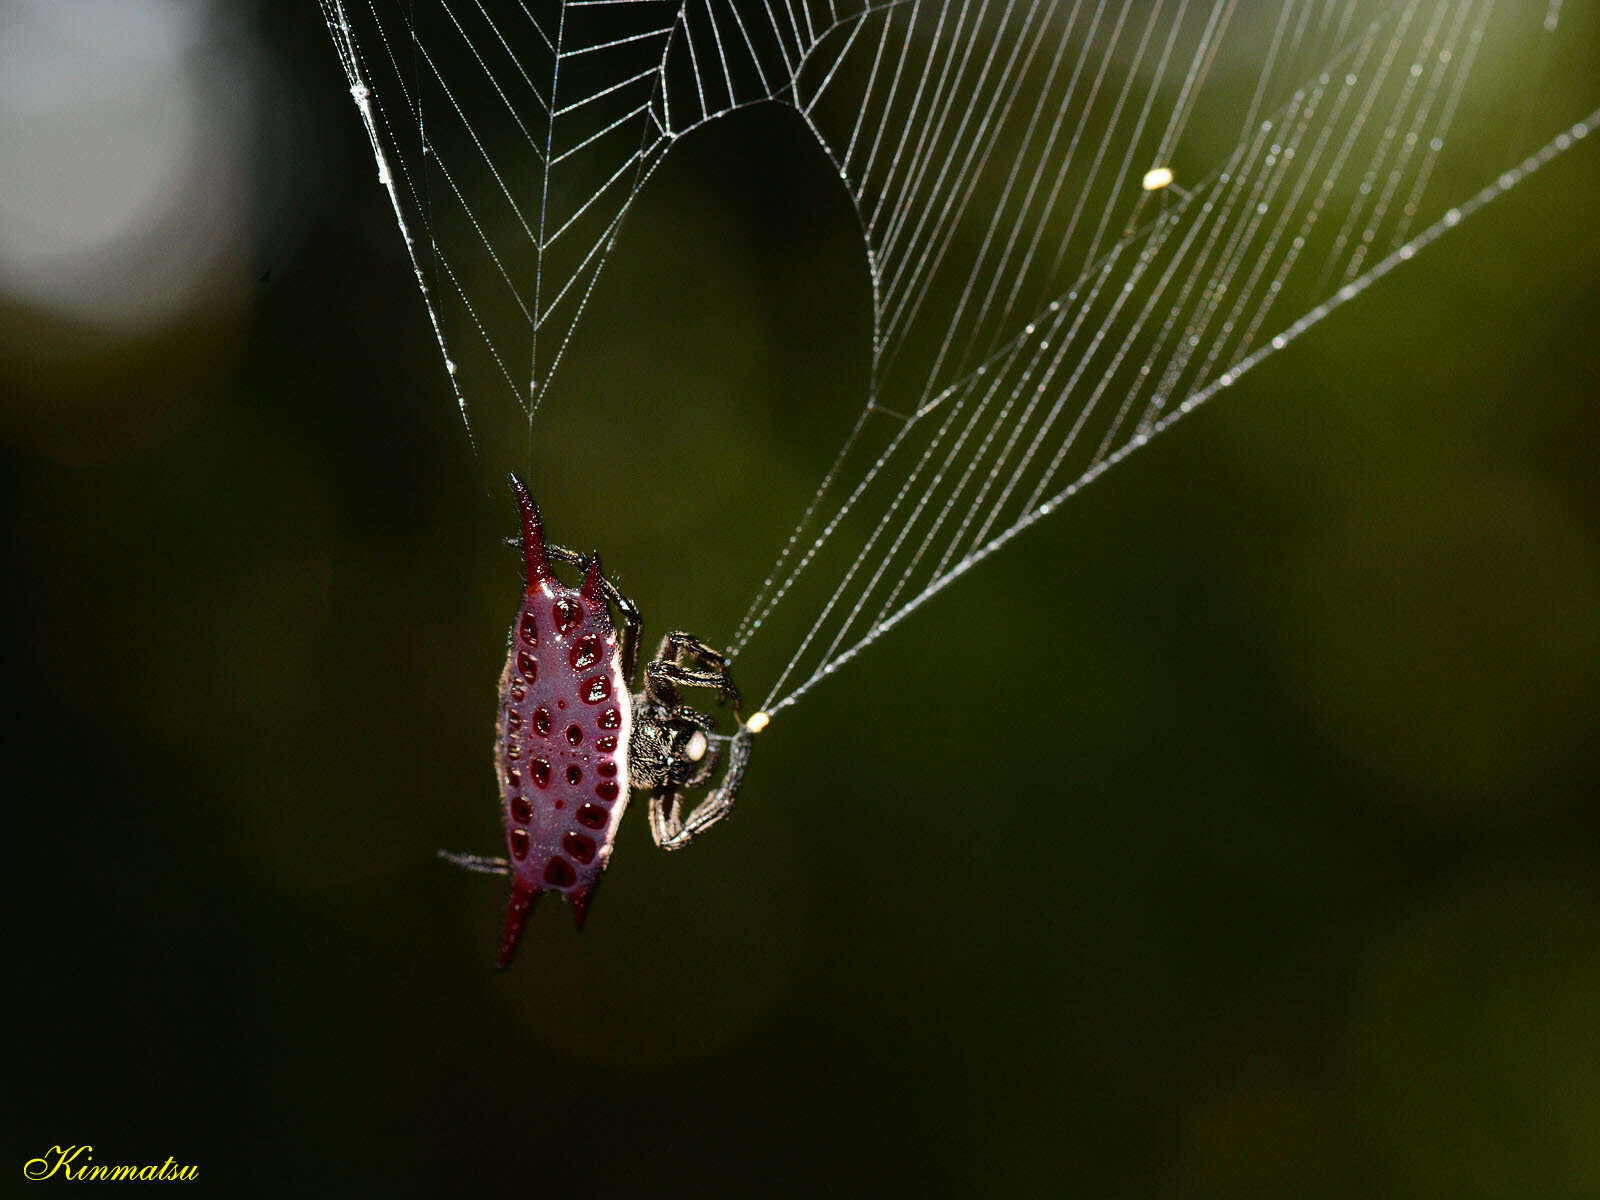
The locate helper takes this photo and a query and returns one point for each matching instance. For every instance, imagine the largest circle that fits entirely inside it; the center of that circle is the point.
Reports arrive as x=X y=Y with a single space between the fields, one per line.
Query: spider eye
x=696 y=749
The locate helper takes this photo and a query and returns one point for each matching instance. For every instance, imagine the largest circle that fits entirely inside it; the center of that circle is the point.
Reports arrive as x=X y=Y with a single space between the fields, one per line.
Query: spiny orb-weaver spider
x=570 y=740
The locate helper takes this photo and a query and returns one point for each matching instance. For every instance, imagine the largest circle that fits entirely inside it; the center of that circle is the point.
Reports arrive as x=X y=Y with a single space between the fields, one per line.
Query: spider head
x=669 y=747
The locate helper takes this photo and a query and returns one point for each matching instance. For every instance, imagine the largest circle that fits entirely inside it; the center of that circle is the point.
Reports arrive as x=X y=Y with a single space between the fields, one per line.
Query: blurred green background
x=1257 y=858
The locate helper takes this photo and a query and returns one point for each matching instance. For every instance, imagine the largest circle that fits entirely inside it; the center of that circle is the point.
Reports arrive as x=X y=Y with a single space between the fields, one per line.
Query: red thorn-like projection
x=517 y=909
x=579 y=899
x=535 y=567
x=590 y=590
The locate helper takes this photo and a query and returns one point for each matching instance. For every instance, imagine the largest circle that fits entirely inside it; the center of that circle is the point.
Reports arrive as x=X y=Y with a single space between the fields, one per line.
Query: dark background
x=1251 y=852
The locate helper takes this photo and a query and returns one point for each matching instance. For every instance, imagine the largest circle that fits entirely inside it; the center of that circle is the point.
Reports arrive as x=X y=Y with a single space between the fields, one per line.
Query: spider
x=571 y=741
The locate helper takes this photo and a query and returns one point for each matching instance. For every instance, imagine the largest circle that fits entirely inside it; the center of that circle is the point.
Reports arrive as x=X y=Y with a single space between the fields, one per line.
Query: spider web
x=1042 y=305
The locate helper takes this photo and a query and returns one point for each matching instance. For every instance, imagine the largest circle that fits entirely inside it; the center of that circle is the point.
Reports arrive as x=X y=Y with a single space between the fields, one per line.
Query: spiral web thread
x=1043 y=301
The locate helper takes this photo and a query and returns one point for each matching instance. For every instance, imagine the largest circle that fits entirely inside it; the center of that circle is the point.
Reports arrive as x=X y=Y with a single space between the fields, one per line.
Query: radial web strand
x=1080 y=219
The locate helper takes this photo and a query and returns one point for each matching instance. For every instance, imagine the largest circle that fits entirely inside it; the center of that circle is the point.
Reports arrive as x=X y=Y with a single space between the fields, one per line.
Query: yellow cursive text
x=77 y=1164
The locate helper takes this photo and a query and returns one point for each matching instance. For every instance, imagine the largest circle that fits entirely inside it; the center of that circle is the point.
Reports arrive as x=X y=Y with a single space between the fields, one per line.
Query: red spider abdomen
x=553 y=722
x=561 y=739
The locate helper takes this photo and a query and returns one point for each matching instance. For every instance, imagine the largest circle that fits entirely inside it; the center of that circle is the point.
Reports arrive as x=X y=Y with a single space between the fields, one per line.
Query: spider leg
x=708 y=768
x=670 y=830
x=632 y=624
x=670 y=670
x=708 y=764
x=481 y=863
x=664 y=817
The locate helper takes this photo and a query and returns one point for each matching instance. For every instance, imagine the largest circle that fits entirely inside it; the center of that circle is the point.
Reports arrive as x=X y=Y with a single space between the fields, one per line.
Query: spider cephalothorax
x=669 y=747
x=571 y=740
